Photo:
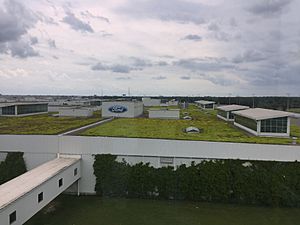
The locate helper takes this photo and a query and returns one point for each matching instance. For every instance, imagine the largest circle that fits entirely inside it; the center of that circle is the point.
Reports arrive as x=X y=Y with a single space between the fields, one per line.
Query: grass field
x=92 y=210
x=42 y=124
x=214 y=129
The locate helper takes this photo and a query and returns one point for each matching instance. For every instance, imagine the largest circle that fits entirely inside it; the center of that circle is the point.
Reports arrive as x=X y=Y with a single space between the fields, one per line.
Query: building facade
x=263 y=122
x=164 y=113
x=22 y=109
x=205 y=104
x=126 y=109
x=226 y=112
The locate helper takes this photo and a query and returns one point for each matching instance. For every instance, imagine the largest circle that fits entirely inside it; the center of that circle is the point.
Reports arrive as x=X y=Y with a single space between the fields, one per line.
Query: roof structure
x=21 y=185
x=203 y=102
x=6 y=104
x=162 y=109
x=262 y=114
x=228 y=108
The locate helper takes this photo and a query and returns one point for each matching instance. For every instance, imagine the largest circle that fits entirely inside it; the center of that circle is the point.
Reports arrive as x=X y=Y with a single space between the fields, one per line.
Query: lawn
x=42 y=124
x=92 y=210
x=214 y=129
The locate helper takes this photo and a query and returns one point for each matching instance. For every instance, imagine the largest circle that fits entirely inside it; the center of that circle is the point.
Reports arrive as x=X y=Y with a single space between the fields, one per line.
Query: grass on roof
x=214 y=129
x=43 y=124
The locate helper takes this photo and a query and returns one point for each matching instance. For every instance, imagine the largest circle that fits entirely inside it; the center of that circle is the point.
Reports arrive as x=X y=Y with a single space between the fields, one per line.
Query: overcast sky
x=153 y=47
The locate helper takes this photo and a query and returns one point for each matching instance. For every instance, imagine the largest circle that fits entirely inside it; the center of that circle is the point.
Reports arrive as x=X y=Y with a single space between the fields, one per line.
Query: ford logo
x=117 y=109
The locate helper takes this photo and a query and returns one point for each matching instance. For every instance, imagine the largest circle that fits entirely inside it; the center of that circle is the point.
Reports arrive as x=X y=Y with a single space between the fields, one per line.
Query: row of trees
x=229 y=181
x=12 y=166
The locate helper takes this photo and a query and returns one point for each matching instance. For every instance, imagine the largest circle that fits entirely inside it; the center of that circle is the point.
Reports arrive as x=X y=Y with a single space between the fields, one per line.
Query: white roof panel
x=203 y=102
x=262 y=114
x=228 y=108
x=21 y=185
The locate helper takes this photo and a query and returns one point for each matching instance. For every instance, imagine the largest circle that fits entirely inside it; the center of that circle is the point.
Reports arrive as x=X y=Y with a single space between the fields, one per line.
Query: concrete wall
x=75 y=112
x=39 y=149
x=164 y=114
x=27 y=206
x=151 y=102
x=133 y=109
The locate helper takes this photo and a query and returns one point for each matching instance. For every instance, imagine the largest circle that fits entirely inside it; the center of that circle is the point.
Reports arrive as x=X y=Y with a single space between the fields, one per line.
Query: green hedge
x=229 y=181
x=13 y=166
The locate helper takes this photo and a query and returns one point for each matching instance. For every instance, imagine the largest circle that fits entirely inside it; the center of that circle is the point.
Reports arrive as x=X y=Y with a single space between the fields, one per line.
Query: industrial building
x=148 y=102
x=22 y=108
x=126 y=109
x=205 y=104
x=264 y=122
x=225 y=112
x=75 y=111
x=164 y=113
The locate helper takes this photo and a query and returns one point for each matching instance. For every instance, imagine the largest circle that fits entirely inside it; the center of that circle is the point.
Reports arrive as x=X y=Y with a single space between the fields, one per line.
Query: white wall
x=164 y=114
x=75 y=112
x=134 y=109
x=151 y=102
x=27 y=206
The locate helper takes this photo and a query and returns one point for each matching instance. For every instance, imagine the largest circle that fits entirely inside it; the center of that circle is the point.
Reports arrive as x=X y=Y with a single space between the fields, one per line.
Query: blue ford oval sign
x=117 y=109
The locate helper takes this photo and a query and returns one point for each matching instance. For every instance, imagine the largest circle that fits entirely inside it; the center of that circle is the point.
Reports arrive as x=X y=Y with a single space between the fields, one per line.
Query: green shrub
x=231 y=181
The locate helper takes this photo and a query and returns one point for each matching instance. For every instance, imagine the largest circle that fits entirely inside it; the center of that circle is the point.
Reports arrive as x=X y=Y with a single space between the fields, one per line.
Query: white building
x=264 y=122
x=23 y=108
x=164 y=113
x=151 y=102
x=205 y=104
x=173 y=102
x=127 y=109
x=75 y=111
x=225 y=112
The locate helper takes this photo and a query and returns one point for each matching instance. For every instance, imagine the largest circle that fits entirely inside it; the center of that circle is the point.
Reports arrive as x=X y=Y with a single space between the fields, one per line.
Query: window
x=35 y=108
x=75 y=171
x=60 y=182
x=246 y=122
x=12 y=217
x=276 y=125
x=40 y=197
x=9 y=110
x=222 y=113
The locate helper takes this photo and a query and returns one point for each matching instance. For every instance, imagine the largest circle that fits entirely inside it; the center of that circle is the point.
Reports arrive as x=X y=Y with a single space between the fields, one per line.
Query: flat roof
x=228 y=108
x=6 y=104
x=23 y=184
x=262 y=114
x=203 y=102
x=162 y=109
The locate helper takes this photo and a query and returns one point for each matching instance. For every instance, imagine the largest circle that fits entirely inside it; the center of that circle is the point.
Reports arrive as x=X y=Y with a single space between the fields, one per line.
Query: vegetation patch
x=43 y=124
x=214 y=129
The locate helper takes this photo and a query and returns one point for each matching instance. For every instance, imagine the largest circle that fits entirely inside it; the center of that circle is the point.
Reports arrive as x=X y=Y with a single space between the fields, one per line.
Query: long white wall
x=39 y=149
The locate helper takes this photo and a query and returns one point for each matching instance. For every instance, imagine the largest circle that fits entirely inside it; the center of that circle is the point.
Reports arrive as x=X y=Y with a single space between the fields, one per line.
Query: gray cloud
x=217 y=79
x=21 y=49
x=185 y=78
x=204 y=64
x=34 y=40
x=51 y=43
x=162 y=63
x=15 y=20
x=116 y=68
x=213 y=27
x=193 y=37
x=159 y=78
x=77 y=24
x=269 y=7
x=123 y=78
x=249 y=56
x=90 y=15
x=141 y=63
x=175 y=10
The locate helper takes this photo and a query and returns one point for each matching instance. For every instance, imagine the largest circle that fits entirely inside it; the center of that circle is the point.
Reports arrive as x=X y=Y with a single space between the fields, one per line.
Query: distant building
x=173 y=102
x=164 y=113
x=225 y=112
x=151 y=102
x=264 y=122
x=205 y=104
x=75 y=111
x=127 y=109
x=22 y=108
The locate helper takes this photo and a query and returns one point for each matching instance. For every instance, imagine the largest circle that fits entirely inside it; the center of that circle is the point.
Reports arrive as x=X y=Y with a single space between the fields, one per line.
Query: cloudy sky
x=153 y=47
